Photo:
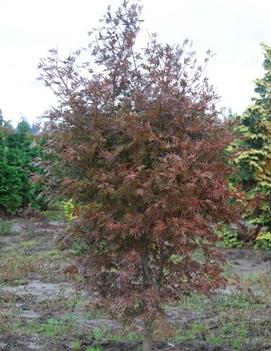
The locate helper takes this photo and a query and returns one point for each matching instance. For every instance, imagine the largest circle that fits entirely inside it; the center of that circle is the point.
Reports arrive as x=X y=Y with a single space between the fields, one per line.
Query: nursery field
x=43 y=308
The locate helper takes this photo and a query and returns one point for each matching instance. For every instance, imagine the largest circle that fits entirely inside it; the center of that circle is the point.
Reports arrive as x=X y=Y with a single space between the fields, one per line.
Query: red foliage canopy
x=140 y=148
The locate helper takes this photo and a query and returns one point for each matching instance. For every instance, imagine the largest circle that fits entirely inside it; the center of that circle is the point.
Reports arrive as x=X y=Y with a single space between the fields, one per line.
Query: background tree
x=10 y=182
x=18 y=149
x=140 y=149
x=254 y=150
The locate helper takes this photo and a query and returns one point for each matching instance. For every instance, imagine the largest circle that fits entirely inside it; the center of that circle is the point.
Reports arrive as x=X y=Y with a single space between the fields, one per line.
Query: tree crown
x=140 y=149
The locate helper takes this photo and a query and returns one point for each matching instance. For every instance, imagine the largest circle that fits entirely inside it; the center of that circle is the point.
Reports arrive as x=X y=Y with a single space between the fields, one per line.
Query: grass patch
x=5 y=228
x=53 y=255
x=231 y=331
x=73 y=303
x=225 y=320
x=17 y=268
x=193 y=302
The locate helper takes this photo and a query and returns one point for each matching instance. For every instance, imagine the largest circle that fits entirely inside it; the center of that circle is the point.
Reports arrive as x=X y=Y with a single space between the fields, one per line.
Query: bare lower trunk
x=148 y=335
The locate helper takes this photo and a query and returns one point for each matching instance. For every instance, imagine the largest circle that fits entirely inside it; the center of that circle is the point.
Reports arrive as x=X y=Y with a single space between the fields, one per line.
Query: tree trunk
x=148 y=335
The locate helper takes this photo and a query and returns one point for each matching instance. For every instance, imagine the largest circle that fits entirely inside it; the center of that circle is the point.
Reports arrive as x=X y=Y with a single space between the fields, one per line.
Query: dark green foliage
x=18 y=149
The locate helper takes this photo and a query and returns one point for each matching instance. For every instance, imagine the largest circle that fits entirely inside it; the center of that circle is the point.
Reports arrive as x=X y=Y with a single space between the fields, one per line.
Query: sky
x=231 y=29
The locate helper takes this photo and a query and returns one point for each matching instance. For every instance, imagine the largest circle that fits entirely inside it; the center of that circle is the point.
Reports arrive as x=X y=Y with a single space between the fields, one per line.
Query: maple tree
x=140 y=150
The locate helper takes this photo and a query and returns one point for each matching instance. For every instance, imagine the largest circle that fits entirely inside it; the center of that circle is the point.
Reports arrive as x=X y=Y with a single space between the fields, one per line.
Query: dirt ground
x=44 y=309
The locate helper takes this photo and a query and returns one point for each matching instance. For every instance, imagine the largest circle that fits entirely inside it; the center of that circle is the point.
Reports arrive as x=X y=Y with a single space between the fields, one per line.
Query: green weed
x=264 y=240
x=78 y=248
x=5 y=228
x=76 y=345
x=228 y=236
x=98 y=334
